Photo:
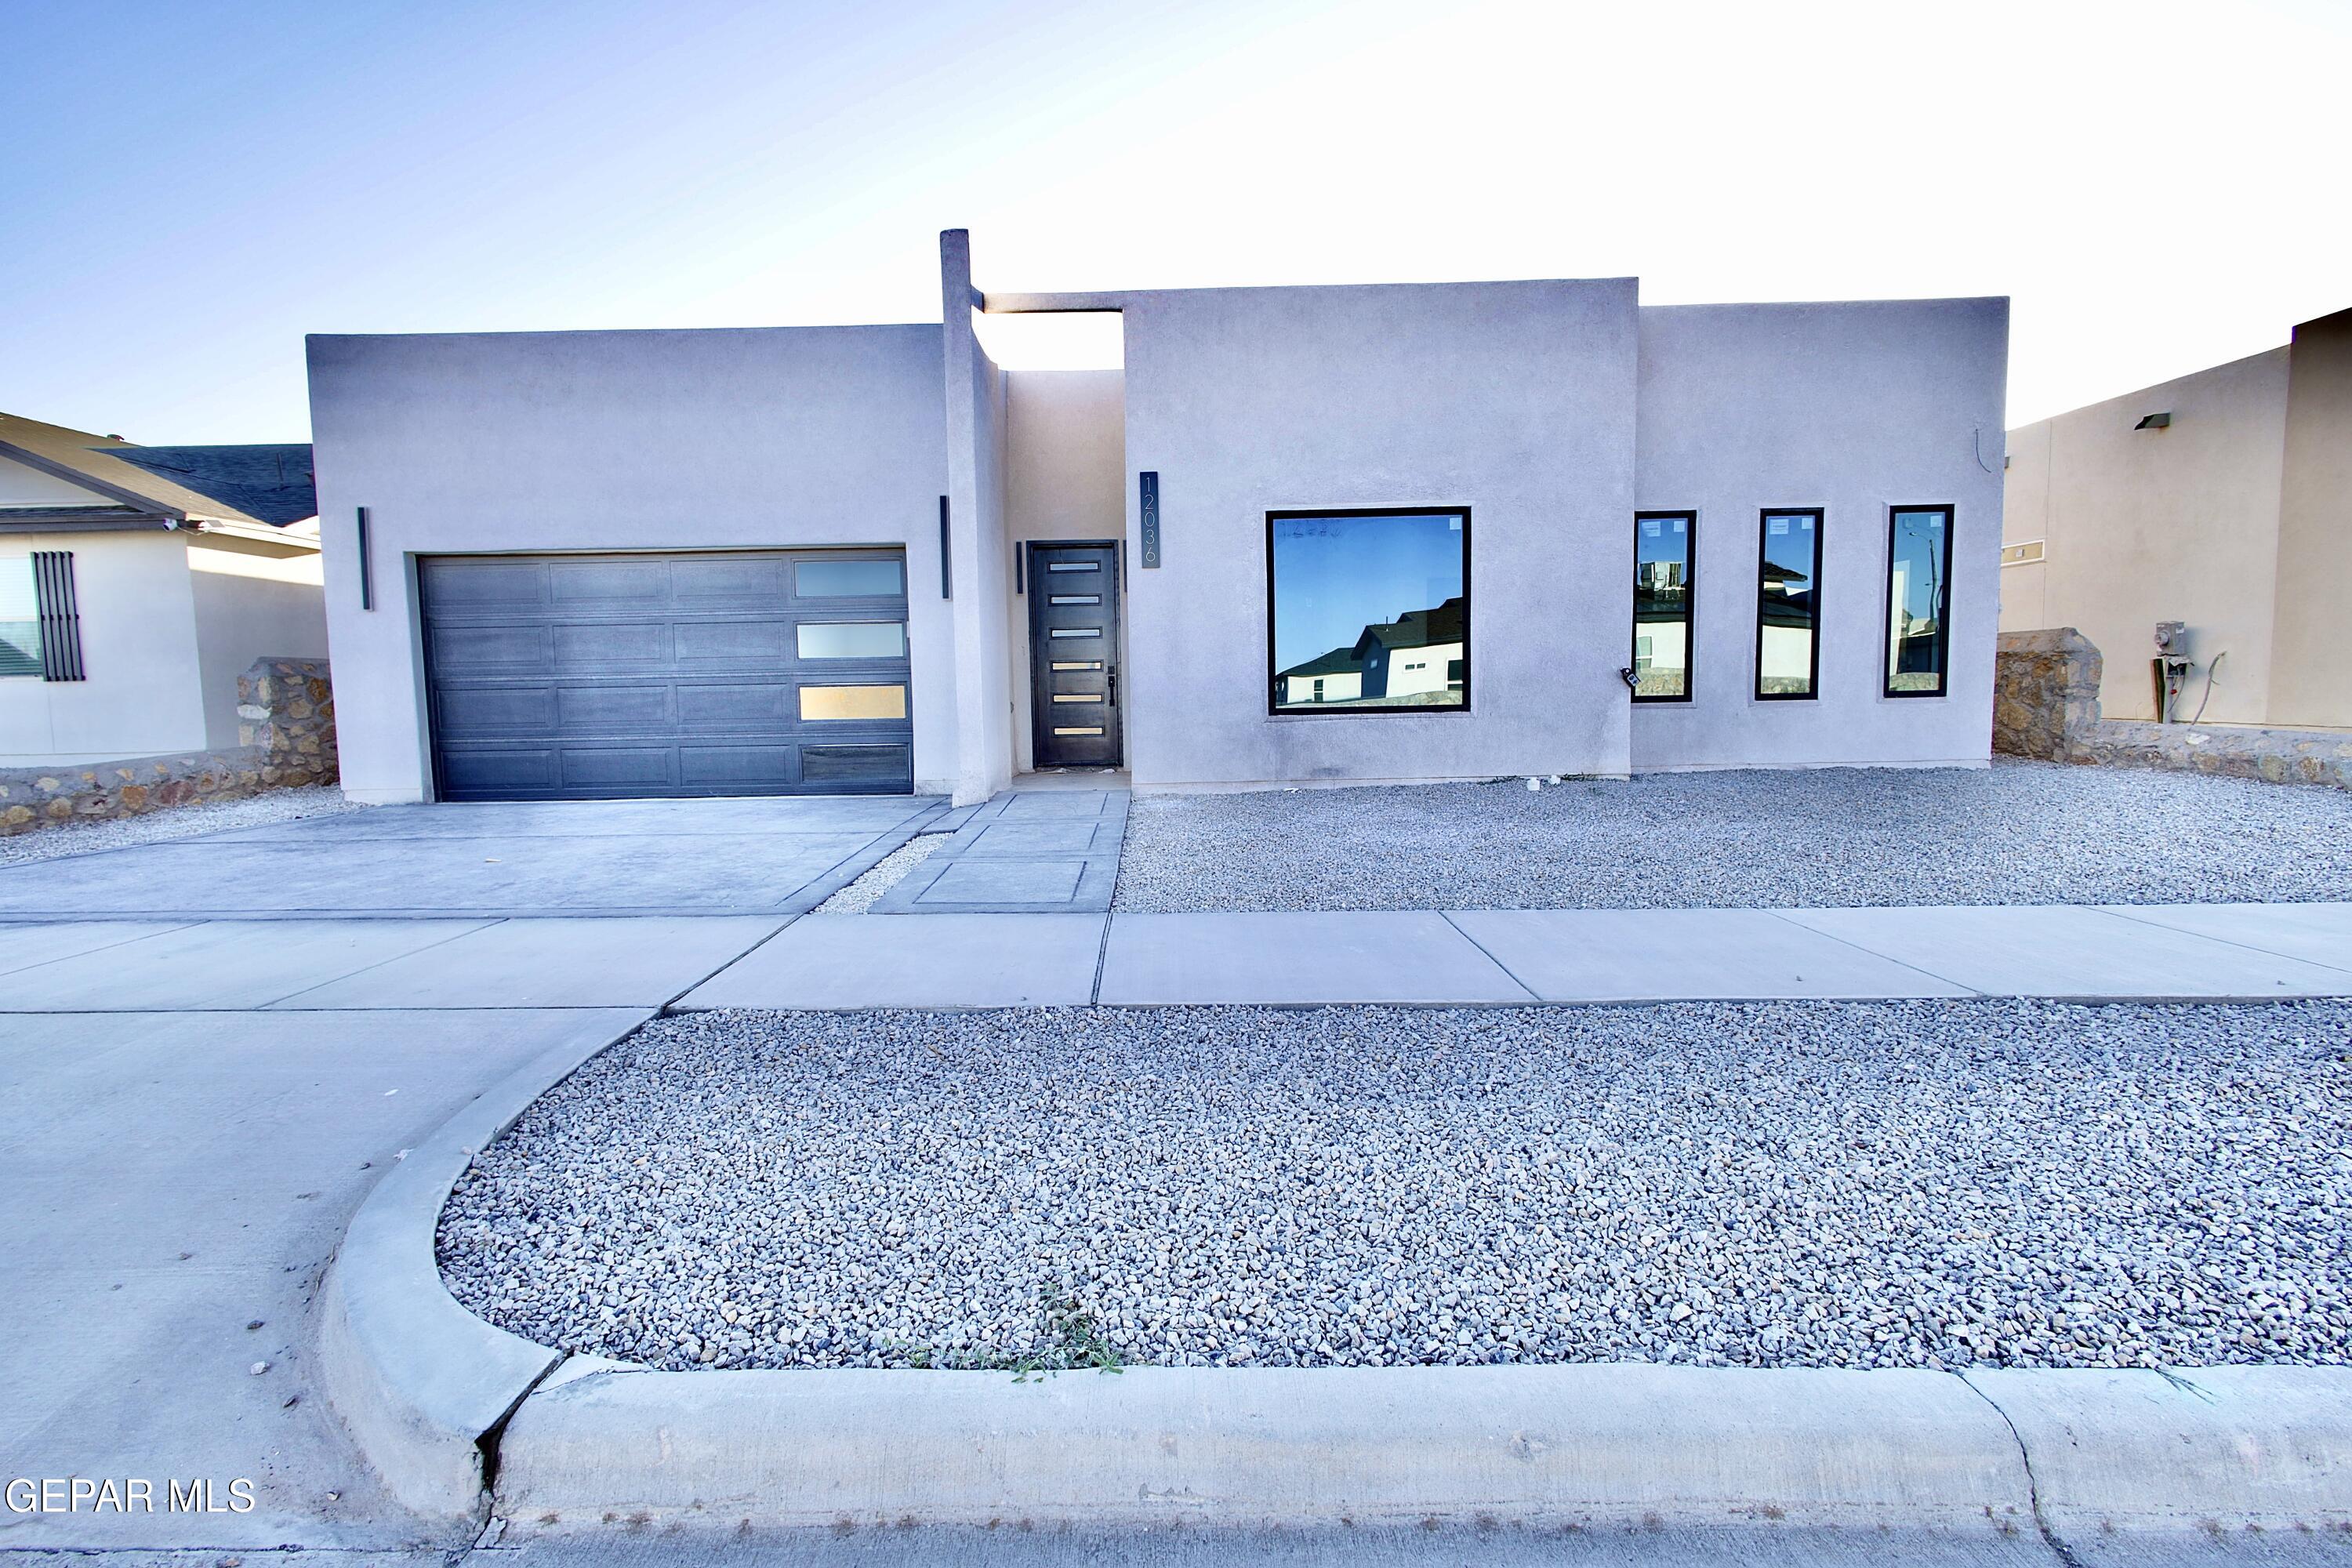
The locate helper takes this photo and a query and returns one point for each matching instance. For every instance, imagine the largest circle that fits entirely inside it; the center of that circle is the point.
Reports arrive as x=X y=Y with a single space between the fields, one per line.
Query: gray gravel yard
x=174 y=822
x=1825 y=1184
x=2020 y=833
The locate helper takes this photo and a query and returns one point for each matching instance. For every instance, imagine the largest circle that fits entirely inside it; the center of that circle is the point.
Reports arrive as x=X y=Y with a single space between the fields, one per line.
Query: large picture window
x=1788 y=605
x=1919 y=599
x=1370 y=611
x=1664 y=546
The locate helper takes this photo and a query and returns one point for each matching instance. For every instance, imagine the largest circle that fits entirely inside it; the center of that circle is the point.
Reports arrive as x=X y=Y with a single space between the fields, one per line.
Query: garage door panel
x=738 y=768
x=487 y=774
x=879 y=767
x=617 y=767
x=521 y=650
x=488 y=712
x=717 y=584
x=597 y=647
x=624 y=581
x=616 y=711
x=731 y=709
x=484 y=585
x=762 y=644
x=609 y=676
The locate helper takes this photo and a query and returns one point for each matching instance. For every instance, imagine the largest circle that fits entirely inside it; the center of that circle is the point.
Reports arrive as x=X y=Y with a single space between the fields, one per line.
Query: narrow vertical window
x=1664 y=546
x=1919 y=599
x=20 y=618
x=1788 y=605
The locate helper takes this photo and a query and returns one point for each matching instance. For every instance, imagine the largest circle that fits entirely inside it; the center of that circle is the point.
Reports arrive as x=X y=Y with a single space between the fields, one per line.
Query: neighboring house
x=1334 y=676
x=2223 y=501
x=612 y=563
x=137 y=583
x=1416 y=658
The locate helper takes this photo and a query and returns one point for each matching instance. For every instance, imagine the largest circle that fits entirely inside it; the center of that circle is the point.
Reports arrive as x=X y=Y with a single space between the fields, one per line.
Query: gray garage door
x=587 y=677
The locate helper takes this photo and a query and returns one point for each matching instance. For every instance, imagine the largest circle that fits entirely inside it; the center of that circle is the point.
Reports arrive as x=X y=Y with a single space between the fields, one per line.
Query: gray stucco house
x=1560 y=532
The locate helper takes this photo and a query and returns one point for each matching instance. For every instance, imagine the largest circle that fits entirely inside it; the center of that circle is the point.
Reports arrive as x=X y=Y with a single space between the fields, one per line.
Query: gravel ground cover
x=2018 y=833
x=1861 y=1185
x=177 y=822
x=887 y=873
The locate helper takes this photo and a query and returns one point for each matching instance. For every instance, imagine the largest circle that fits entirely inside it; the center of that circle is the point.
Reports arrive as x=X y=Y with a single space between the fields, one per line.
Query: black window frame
x=1764 y=517
x=1690 y=606
x=1273 y=672
x=1943 y=606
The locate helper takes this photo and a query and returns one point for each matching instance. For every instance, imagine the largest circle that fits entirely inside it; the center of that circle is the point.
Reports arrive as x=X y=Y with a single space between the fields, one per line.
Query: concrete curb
x=1633 y=1444
x=444 y=1406
x=2210 y=1450
x=417 y=1379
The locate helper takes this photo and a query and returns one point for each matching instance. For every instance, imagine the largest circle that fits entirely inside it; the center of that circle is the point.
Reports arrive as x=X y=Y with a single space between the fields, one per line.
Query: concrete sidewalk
x=1514 y=957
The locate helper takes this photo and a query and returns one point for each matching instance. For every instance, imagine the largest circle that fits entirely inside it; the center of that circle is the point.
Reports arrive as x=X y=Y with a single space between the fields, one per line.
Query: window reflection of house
x=1333 y=676
x=1342 y=575
x=1413 y=654
x=1784 y=661
x=1415 y=658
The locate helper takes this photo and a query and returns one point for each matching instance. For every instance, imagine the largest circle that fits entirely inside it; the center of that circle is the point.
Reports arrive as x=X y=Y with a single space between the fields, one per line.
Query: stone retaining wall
x=286 y=727
x=2046 y=705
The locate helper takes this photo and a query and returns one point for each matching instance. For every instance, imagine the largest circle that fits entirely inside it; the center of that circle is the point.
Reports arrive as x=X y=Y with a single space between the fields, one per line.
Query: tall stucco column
x=976 y=548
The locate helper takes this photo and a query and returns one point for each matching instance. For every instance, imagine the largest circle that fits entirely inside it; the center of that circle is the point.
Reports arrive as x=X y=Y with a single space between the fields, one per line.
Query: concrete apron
x=462 y=1419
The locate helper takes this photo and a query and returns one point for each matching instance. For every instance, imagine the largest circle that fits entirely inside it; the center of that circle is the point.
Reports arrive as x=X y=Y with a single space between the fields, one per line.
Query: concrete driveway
x=778 y=857
x=173 y=1184
x=191 y=1107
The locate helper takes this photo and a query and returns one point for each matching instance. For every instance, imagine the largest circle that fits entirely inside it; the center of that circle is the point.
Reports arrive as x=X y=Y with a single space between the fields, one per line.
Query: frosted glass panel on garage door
x=849 y=579
x=597 y=675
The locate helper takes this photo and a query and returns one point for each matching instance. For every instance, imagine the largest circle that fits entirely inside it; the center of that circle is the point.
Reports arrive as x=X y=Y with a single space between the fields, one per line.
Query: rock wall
x=2045 y=694
x=2046 y=705
x=286 y=727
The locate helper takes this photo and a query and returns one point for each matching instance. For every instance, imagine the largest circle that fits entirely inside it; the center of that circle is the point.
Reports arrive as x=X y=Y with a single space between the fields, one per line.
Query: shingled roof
x=260 y=486
x=1417 y=628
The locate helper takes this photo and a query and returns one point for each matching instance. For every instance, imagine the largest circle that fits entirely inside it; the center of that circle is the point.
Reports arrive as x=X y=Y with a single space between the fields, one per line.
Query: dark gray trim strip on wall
x=53 y=592
x=367 y=564
x=947 y=562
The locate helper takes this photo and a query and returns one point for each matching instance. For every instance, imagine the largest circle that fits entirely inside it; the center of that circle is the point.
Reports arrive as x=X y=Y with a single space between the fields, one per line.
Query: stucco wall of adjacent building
x=1066 y=465
x=21 y=486
x=141 y=695
x=647 y=440
x=1854 y=408
x=2311 y=649
x=1514 y=400
x=2142 y=526
x=252 y=599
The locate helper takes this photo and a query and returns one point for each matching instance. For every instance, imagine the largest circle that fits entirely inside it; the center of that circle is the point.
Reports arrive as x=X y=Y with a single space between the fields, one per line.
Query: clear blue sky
x=187 y=190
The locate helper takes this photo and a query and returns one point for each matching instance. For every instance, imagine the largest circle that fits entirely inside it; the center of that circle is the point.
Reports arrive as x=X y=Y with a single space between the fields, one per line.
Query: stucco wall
x=141 y=696
x=1853 y=408
x=2142 y=526
x=1513 y=399
x=253 y=600
x=22 y=486
x=662 y=440
x=2311 y=656
x=1065 y=468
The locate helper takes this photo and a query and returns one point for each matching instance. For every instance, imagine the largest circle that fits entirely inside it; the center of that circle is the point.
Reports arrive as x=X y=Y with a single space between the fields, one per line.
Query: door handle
x=1110 y=678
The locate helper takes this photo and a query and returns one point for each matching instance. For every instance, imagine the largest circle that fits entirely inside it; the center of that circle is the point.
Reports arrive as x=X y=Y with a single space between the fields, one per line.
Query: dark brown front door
x=1074 y=654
